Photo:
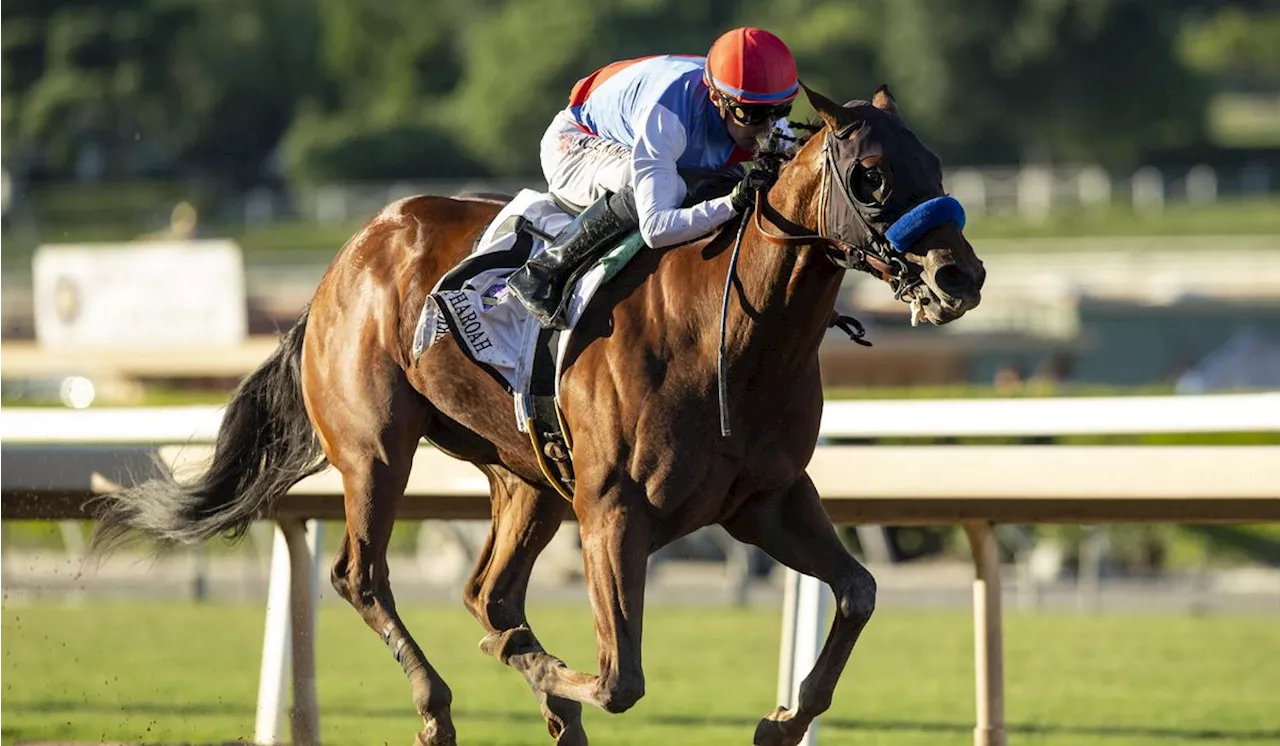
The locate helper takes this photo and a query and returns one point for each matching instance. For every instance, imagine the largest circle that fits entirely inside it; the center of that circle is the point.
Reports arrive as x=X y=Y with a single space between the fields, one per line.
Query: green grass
x=1251 y=217
x=308 y=237
x=176 y=673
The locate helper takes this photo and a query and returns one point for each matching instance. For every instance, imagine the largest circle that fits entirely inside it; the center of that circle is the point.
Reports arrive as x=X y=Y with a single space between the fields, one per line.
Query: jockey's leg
x=582 y=171
x=580 y=168
x=540 y=284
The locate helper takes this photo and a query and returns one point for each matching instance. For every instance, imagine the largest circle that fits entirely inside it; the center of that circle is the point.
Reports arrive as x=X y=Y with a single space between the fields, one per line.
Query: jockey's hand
x=743 y=195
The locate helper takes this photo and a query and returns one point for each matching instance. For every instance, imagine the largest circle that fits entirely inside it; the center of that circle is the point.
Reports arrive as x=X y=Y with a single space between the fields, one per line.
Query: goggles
x=751 y=115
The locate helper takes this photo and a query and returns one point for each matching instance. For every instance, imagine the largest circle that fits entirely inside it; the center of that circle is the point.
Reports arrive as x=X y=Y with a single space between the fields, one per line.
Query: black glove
x=701 y=186
x=743 y=195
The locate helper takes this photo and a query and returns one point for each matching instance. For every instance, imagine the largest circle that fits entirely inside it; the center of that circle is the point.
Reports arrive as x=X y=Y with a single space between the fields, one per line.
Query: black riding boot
x=540 y=283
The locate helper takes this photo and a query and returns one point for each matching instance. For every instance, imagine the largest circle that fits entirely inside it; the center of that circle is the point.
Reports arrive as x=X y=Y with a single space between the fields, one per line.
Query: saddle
x=494 y=330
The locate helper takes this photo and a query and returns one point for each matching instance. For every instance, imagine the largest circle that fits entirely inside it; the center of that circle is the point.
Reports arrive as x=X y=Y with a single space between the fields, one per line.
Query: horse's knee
x=355 y=586
x=814 y=697
x=858 y=598
x=338 y=577
x=495 y=613
x=620 y=692
x=471 y=599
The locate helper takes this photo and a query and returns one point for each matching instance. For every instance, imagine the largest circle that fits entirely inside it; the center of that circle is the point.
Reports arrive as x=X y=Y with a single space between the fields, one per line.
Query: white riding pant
x=580 y=167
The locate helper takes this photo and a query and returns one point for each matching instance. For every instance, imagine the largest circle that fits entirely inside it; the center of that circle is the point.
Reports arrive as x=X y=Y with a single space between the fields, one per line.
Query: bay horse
x=639 y=396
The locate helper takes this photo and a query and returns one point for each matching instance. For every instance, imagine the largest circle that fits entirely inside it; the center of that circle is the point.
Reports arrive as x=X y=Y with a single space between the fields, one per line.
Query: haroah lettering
x=469 y=322
x=484 y=343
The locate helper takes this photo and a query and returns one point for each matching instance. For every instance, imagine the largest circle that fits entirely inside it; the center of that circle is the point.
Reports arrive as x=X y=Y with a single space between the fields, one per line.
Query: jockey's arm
x=659 y=189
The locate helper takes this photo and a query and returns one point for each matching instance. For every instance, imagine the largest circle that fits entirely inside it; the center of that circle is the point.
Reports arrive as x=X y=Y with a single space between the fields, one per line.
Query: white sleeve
x=659 y=190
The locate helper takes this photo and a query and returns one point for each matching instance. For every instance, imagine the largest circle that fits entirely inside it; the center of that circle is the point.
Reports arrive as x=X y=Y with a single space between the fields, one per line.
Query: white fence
x=841 y=419
x=976 y=486
x=1036 y=191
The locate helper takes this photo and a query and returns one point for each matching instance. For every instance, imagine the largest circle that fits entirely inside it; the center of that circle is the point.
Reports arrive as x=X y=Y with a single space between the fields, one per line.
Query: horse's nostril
x=953 y=281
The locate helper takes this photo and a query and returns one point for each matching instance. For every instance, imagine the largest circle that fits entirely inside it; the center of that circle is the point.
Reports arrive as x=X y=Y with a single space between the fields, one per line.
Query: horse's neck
x=789 y=290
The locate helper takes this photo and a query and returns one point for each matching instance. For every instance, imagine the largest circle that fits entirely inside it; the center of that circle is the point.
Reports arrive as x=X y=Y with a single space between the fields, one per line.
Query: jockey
x=636 y=141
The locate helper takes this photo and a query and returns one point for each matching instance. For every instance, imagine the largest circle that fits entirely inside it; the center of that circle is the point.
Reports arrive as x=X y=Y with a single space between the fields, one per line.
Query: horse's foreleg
x=525 y=519
x=793 y=528
x=615 y=546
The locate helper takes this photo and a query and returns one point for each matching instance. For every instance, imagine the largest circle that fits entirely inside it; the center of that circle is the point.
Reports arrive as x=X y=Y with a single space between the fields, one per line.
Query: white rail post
x=787 y=656
x=275 y=662
x=289 y=636
x=988 y=646
x=804 y=615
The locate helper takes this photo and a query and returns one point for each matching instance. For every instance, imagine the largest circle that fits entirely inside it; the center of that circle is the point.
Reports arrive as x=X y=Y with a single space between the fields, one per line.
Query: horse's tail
x=265 y=445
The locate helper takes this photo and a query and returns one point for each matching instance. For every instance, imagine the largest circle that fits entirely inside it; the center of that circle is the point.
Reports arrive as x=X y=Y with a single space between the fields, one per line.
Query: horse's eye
x=869 y=185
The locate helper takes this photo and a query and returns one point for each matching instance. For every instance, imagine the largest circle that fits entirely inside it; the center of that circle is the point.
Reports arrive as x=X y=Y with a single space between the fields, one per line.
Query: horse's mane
x=775 y=148
x=773 y=151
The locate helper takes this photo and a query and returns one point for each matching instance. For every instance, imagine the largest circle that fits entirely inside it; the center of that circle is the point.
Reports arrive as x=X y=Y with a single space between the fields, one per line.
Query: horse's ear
x=884 y=100
x=835 y=115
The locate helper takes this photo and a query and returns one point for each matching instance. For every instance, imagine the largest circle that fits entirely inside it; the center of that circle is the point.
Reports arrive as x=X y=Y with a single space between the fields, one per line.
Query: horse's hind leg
x=370 y=432
x=793 y=528
x=525 y=519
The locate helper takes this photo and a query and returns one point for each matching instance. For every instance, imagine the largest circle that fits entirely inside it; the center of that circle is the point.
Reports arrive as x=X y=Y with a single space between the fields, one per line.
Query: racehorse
x=638 y=394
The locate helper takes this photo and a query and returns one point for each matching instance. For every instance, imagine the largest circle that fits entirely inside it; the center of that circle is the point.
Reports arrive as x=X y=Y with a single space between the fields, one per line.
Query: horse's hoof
x=778 y=729
x=435 y=734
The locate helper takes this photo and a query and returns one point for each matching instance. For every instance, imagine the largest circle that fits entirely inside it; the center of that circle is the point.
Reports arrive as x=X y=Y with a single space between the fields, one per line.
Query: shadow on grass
x=532 y=719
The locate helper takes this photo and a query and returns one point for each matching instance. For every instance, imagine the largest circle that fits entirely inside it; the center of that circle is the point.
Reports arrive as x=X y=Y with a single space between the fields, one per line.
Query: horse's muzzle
x=953 y=277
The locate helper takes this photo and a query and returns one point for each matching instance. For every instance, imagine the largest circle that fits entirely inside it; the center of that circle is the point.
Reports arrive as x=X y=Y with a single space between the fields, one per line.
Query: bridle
x=875 y=257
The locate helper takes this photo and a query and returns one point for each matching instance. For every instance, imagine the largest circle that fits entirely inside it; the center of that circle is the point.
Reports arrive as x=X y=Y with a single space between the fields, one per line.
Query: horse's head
x=884 y=210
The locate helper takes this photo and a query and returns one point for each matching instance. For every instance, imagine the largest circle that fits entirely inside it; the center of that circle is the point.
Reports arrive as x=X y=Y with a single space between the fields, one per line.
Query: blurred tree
x=981 y=80
x=390 y=70
x=346 y=89
x=348 y=146
x=111 y=90
x=1239 y=43
x=240 y=73
x=1042 y=79
x=82 y=81
x=520 y=62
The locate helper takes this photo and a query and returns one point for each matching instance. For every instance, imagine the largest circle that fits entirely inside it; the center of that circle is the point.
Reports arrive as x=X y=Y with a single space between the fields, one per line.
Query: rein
x=846 y=323
x=721 y=379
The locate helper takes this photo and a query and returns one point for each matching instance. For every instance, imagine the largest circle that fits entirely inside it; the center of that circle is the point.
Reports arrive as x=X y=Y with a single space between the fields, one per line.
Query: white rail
x=1252 y=412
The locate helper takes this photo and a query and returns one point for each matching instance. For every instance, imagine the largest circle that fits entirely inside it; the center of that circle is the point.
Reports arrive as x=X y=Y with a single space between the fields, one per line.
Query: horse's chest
x=771 y=468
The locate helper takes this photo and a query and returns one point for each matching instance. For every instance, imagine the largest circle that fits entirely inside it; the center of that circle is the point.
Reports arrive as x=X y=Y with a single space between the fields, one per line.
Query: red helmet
x=752 y=66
